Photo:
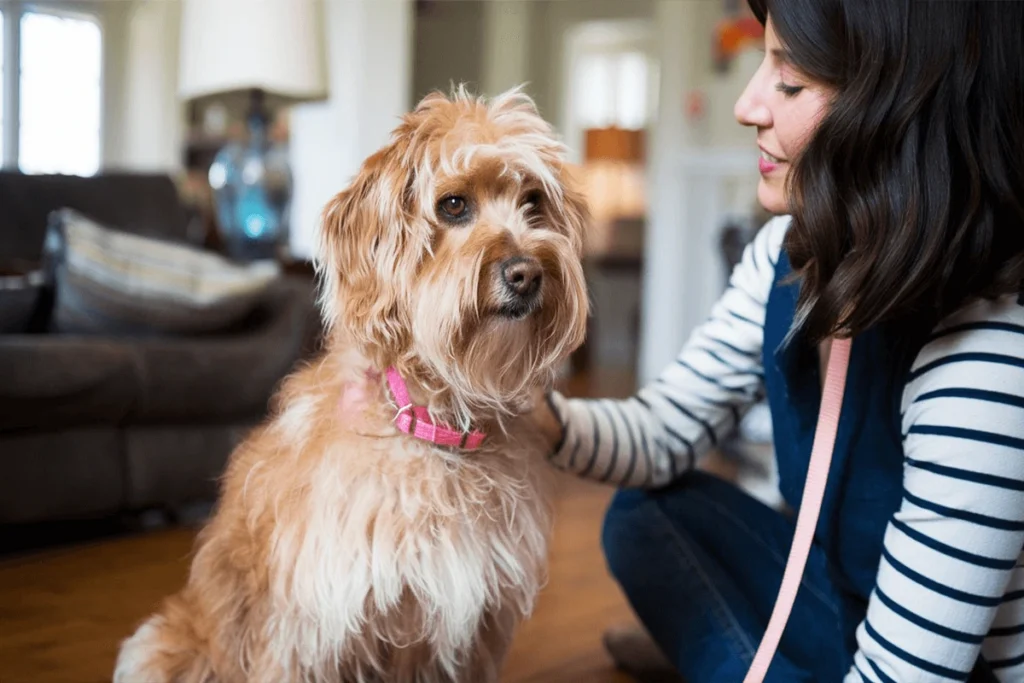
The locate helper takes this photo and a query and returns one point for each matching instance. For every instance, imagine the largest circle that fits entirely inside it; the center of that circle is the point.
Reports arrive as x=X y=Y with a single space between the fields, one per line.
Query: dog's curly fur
x=343 y=550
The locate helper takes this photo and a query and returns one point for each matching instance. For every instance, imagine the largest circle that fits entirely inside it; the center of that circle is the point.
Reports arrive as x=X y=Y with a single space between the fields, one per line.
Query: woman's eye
x=453 y=207
x=789 y=90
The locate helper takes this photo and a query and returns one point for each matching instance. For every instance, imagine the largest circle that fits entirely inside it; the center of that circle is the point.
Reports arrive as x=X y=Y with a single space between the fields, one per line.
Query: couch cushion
x=20 y=297
x=147 y=204
x=61 y=475
x=59 y=381
x=113 y=282
x=227 y=377
x=52 y=381
x=180 y=464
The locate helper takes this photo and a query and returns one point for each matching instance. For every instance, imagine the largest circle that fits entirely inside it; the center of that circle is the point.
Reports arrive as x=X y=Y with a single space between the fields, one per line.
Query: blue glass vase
x=252 y=190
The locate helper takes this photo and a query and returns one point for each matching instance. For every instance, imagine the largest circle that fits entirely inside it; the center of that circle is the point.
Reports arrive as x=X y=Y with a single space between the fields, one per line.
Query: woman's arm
x=654 y=436
x=949 y=579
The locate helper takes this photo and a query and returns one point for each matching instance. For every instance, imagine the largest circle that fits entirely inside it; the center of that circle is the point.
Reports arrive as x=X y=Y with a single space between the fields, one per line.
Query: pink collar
x=415 y=420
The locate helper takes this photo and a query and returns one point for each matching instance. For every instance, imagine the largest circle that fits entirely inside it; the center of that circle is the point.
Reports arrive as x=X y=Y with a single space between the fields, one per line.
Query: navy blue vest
x=864 y=484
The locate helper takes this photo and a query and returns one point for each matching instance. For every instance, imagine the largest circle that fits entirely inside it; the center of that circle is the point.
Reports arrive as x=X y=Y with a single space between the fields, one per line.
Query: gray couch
x=95 y=425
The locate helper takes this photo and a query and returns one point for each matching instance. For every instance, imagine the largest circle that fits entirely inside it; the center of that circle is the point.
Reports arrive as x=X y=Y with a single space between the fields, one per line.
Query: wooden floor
x=63 y=612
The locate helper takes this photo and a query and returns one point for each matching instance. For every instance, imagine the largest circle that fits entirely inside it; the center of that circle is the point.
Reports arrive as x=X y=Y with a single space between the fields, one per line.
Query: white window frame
x=10 y=79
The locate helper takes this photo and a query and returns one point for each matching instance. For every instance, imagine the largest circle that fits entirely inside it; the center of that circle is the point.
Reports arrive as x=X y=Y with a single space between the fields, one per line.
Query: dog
x=390 y=519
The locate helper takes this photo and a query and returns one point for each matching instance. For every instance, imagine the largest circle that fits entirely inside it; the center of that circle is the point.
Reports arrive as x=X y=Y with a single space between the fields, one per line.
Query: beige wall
x=450 y=43
x=115 y=27
x=150 y=118
x=448 y=46
x=551 y=19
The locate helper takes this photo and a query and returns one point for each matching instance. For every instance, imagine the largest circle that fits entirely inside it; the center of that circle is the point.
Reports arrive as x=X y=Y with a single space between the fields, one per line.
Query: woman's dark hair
x=908 y=200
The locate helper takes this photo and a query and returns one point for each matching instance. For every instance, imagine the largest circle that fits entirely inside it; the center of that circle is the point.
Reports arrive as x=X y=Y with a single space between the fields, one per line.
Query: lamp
x=264 y=54
x=613 y=175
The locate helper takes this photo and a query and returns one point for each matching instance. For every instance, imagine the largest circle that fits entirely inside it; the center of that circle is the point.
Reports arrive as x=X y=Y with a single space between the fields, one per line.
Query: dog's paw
x=135 y=659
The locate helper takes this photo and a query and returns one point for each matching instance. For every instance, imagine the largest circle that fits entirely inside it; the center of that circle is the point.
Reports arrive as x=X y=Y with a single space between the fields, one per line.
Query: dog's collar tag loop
x=415 y=420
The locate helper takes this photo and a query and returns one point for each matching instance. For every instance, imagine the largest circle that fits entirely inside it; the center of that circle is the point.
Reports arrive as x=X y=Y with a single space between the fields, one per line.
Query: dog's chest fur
x=396 y=544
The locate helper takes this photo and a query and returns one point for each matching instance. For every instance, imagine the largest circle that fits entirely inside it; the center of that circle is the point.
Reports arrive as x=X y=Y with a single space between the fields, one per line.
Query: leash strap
x=810 y=506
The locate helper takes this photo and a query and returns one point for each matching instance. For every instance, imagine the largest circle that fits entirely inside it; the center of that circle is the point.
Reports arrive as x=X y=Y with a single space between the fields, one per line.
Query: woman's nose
x=751 y=108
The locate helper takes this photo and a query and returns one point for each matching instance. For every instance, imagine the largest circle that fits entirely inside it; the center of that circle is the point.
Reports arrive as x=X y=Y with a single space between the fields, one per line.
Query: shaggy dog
x=390 y=520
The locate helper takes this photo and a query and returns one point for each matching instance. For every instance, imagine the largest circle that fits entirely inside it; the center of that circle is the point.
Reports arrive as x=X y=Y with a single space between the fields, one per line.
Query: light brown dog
x=345 y=549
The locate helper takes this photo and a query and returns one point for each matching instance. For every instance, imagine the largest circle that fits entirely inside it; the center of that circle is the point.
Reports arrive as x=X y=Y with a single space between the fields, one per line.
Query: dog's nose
x=521 y=276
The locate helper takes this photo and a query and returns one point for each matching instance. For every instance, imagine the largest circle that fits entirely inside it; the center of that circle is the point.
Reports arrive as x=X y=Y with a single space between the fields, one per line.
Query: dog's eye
x=453 y=207
x=532 y=200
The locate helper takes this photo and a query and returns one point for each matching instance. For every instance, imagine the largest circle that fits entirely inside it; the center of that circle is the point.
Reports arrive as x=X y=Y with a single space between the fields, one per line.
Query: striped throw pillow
x=108 y=280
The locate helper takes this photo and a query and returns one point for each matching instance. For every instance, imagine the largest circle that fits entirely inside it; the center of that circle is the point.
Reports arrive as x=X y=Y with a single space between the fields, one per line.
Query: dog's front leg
x=493 y=641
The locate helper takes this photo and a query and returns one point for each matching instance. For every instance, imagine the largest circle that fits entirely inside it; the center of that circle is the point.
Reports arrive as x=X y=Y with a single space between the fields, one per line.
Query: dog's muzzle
x=521 y=284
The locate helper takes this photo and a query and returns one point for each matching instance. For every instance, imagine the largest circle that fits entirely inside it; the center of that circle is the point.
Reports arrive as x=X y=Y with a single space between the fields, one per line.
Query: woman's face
x=786 y=107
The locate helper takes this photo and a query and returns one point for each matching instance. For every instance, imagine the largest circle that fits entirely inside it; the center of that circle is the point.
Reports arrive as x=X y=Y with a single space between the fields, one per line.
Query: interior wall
x=149 y=118
x=448 y=46
x=369 y=52
x=702 y=170
x=552 y=19
x=451 y=43
x=115 y=20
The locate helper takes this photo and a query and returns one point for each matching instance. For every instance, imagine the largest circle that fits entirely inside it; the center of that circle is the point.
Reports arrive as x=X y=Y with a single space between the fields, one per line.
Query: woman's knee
x=638 y=523
x=627 y=531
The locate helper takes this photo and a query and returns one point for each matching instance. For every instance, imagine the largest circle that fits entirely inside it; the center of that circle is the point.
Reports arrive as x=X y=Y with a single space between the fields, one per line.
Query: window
x=54 y=126
x=611 y=80
x=613 y=88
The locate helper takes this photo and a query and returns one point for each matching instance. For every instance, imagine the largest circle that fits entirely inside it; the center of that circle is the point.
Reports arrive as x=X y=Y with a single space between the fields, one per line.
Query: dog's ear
x=362 y=255
x=574 y=210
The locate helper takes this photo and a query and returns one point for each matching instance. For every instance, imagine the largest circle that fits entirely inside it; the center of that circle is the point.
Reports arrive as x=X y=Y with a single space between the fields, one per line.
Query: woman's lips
x=767 y=163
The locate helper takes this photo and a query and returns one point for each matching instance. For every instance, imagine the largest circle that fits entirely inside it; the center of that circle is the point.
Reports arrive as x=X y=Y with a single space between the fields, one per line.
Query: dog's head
x=454 y=254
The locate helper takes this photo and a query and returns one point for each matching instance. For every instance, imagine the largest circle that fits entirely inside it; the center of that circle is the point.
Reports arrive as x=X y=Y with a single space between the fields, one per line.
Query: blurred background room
x=164 y=163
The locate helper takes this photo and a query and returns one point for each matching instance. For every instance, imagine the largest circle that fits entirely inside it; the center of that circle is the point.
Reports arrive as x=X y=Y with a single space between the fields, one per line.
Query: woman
x=892 y=146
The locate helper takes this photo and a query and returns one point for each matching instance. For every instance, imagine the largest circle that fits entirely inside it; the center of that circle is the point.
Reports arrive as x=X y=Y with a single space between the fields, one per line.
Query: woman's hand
x=546 y=421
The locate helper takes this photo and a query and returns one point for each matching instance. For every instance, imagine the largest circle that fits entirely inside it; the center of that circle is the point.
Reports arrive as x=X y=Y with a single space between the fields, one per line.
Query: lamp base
x=252 y=190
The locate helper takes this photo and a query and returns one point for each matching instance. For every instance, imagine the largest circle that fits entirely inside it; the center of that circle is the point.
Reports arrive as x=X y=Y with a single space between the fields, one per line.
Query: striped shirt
x=951 y=578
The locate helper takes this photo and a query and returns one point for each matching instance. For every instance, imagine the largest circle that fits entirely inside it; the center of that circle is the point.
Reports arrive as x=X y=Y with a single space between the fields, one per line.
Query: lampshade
x=614 y=144
x=232 y=46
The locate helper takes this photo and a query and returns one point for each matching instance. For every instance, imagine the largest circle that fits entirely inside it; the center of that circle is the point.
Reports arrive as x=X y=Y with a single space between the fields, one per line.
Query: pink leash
x=810 y=506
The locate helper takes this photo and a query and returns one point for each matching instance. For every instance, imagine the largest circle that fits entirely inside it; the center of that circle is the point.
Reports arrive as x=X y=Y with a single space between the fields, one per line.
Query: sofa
x=107 y=423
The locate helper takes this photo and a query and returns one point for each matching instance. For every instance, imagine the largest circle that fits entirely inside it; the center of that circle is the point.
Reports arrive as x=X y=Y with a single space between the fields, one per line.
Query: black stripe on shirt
x=742 y=318
x=922 y=664
x=940 y=588
x=950 y=551
x=1004 y=631
x=976 y=357
x=596 y=446
x=632 y=442
x=917 y=619
x=575 y=450
x=982 y=520
x=973 y=394
x=980 y=325
x=603 y=407
x=675 y=435
x=703 y=423
x=736 y=349
x=710 y=380
x=878 y=672
x=1007 y=663
x=967 y=475
x=969 y=434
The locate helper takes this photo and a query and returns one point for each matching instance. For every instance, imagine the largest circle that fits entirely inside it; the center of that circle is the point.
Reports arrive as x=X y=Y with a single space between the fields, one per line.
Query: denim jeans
x=701 y=563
